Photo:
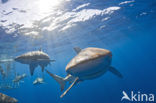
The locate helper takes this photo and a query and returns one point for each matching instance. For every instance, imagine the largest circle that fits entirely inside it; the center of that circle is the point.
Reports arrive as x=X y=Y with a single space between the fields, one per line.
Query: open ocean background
x=127 y=28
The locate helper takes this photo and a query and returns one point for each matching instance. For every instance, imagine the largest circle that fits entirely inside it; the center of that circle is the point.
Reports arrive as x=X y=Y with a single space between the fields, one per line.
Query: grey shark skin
x=34 y=59
x=19 y=78
x=88 y=64
x=7 y=99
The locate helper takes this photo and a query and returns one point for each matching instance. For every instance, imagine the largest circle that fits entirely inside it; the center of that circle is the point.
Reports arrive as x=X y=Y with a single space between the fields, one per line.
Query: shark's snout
x=17 y=59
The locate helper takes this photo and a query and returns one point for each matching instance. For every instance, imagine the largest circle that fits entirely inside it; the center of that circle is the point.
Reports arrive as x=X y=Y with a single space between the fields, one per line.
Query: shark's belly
x=94 y=75
x=34 y=59
x=90 y=67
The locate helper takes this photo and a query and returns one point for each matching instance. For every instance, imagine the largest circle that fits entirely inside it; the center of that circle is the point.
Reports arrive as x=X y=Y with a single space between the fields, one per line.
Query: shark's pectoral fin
x=74 y=82
x=115 y=71
x=42 y=68
x=32 y=68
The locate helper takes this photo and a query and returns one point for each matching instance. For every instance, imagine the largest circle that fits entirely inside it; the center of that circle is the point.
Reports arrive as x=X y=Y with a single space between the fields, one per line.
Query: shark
x=88 y=64
x=7 y=99
x=34 y=59
x=19 y=78
x=38 y=81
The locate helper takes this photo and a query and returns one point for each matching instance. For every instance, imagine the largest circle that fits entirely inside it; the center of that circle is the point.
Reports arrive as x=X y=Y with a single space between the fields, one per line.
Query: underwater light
x=46 y=5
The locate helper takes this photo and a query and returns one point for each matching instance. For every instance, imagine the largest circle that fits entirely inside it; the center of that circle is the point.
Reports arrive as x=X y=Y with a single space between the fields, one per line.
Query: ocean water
x=125 y=27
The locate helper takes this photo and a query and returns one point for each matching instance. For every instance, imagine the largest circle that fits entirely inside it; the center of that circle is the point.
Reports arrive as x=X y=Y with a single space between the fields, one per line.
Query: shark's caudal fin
x=115 y=71
x=74 y=82
x=77 y=49
x=32 y=68
x=59 y=79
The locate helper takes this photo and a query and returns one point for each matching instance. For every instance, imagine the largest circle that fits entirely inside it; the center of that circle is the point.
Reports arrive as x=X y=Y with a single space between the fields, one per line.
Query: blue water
x=129 y=34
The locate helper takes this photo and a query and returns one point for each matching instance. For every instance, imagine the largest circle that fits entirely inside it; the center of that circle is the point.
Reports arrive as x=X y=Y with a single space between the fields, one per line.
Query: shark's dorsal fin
x=40 y=49
x=77 y=49
x=74 y=82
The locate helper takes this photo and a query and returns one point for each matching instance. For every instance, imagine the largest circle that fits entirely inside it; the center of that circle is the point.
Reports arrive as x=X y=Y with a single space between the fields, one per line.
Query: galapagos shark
x=19 y=78
x=34 y=59
x=7 y=99
x=88 y=64
x=38 y=81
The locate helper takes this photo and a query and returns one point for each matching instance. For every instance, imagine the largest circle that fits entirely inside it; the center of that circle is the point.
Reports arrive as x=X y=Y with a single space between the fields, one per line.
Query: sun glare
x=46 y=5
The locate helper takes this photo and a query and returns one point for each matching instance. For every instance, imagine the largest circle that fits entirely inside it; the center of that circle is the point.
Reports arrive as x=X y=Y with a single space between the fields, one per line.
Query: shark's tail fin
x=59 y=79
